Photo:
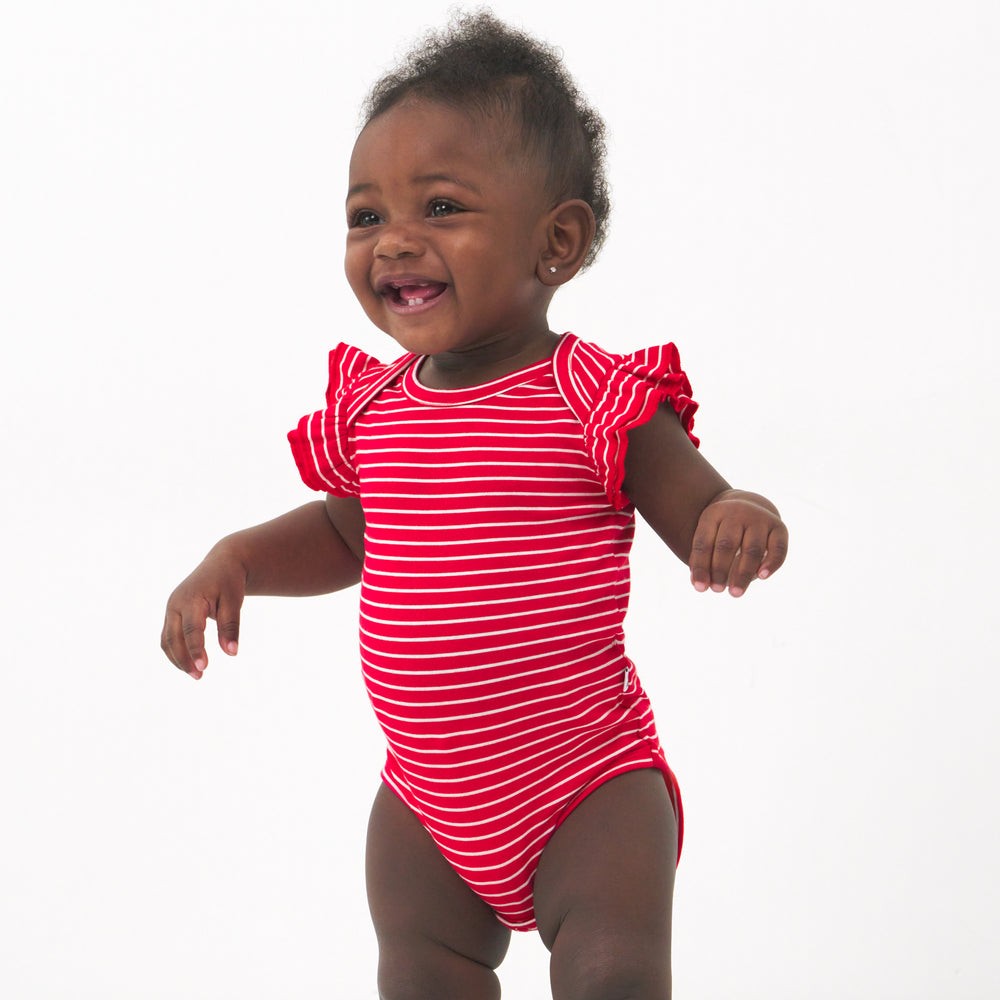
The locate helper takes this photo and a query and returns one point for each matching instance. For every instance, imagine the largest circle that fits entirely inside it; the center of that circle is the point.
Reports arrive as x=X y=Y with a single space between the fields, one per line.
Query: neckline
x=415 y=390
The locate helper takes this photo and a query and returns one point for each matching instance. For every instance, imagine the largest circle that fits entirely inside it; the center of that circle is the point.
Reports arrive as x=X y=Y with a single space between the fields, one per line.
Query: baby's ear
x=569 y=233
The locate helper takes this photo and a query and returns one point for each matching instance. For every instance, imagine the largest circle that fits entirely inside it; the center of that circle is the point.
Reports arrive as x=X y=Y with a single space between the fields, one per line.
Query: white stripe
x=488 y=462
x=610 y=649
x=555 y=724
x=549 y=756
x=509 y=616
x=539 y=596
x=530 y=411
x=564 y=497
x=501 y=686
x=530 y=554
x=472 y=649
x=536 y=523
x=422 y=512
x=511 y=539
x=477 y=572
x=493 y=480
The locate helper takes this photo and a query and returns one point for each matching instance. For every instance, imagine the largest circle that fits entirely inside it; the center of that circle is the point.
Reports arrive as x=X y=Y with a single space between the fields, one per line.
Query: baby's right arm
x=314 y=549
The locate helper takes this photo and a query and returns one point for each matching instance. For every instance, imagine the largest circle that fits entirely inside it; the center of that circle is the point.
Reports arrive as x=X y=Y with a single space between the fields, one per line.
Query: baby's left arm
x=727 y=537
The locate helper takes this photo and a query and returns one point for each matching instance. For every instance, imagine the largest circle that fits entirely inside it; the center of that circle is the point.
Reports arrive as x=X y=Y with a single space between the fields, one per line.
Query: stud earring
x=552 y=270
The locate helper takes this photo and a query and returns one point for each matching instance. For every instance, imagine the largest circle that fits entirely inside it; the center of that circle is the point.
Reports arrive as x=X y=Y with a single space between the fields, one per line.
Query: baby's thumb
x=227 y=617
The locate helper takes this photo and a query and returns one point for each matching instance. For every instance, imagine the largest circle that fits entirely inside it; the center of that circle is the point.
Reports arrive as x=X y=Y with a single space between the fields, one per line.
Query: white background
x=805 y=201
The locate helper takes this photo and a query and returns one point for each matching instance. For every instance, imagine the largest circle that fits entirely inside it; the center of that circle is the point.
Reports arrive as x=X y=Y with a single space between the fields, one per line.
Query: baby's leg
x=437 y=939
x=604 y=892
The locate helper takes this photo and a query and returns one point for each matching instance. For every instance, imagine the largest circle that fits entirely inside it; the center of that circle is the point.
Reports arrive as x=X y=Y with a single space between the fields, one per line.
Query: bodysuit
x=494 y=589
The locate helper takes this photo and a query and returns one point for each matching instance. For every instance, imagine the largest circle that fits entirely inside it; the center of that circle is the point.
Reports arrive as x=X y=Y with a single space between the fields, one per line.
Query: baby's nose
x=397 y=240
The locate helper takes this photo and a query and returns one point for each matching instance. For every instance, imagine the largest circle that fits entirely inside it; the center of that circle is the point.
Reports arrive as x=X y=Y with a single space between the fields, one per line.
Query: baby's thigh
x=604 y=892
x=436 y=937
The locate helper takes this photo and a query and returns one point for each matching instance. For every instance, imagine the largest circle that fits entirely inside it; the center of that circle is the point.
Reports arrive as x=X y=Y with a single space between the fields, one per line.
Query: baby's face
x=446 y=227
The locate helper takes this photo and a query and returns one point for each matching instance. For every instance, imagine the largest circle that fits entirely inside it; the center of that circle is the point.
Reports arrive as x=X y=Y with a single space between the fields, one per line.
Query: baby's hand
x=214 y=590
x=740 y=537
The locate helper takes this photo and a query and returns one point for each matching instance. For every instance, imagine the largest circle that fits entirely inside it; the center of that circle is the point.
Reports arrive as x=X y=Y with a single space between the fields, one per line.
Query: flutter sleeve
x=321 y=442
x=612 y=393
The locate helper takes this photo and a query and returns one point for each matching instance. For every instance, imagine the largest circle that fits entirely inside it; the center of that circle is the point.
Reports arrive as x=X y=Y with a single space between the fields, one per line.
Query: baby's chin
x=427 y=340
x=414 y=334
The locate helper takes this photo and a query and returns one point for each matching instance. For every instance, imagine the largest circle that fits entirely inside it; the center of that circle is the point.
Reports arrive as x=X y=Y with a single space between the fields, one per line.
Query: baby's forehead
x=416 y=127
x=483 y=120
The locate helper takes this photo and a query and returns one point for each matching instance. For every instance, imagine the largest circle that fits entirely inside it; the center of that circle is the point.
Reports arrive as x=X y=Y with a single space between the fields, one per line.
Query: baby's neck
x=485 y=362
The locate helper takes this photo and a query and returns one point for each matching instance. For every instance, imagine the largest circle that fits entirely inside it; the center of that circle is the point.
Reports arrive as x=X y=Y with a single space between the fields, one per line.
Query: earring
x=552 y=270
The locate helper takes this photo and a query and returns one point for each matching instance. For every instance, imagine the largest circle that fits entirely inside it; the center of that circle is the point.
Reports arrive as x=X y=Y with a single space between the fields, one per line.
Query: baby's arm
x=314 y=549
x=726 y=536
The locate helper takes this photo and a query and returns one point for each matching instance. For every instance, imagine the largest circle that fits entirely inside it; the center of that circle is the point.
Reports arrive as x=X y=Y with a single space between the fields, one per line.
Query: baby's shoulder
x=592 y=378
x=356 y=377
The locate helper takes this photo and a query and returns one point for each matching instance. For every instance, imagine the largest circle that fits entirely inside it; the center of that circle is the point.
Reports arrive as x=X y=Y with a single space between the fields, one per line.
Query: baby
x=482 y=488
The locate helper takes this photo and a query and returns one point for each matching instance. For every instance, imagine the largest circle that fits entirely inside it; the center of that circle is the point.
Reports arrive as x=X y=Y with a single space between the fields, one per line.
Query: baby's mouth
x=414 y=293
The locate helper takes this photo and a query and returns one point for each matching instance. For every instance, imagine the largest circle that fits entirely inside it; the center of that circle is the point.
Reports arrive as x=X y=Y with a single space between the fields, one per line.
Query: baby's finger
x=174 y=644
x=748 y=562
x=227 y=617
x=169 y=639
x=777 y=549
x=727 y=544
x=193 y=627
x=702 y=547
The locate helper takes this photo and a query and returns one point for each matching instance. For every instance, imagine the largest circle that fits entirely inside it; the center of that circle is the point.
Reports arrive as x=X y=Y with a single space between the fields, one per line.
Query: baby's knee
x=433 y=972
x=611 y=968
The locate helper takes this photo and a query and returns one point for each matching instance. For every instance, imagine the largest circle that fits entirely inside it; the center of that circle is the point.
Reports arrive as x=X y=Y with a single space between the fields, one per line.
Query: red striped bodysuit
x=494 y=590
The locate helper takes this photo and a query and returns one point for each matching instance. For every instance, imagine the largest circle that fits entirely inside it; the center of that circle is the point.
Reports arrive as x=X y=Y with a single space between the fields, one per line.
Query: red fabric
x=612 y=393
x=494 y=590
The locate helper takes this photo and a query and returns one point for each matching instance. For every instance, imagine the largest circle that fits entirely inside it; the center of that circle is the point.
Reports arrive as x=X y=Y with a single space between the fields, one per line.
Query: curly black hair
x=480 y=64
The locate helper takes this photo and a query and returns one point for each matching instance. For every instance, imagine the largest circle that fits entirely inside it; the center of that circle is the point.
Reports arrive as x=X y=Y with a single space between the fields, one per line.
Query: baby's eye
x=439 y=208
x=363 y=218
